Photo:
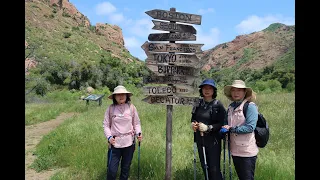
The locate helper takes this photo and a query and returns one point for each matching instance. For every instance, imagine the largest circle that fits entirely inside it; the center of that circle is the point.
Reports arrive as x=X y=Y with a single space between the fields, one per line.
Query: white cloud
x=116 y=18
x=142 y=28
x=204 y=11
x=254 y=23
x=209 y=39
x=105 y=8
x=132 y=42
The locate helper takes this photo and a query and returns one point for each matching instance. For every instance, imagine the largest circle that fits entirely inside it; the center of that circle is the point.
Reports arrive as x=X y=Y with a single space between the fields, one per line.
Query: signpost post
x=173 y=64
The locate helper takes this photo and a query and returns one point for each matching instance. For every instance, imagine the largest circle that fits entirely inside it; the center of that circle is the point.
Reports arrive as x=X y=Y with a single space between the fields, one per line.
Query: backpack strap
x=245 y=107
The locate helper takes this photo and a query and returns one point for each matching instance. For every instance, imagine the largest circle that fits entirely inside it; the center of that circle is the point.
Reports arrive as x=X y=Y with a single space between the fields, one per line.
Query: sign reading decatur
x=171 y=100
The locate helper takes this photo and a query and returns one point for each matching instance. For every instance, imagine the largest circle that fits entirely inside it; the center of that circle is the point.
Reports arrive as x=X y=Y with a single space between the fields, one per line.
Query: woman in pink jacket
x=121 y=125
x=243 y=145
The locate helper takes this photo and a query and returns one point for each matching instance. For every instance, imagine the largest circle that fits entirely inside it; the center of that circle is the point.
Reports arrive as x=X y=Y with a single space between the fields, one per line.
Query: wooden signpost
x=173 y=27
x=185 y=36
x=171 y=47
x=176 y=59
x=171 y=100
x=167 y=90
x=172 y=63
x=175 y=16
x=162 y=70
x=187 y=80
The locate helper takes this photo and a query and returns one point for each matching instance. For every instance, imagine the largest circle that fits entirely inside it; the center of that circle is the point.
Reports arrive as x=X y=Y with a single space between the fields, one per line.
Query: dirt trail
x=33 y=135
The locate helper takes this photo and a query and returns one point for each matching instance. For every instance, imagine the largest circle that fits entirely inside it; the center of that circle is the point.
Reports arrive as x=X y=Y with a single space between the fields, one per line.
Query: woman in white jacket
x=243 y=145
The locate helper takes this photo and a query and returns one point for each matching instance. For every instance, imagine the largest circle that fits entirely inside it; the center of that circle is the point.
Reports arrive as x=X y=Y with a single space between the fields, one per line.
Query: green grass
x=79 y=147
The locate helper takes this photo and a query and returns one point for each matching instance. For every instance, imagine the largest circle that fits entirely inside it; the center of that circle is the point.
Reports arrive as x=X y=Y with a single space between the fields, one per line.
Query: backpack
x=262 y=128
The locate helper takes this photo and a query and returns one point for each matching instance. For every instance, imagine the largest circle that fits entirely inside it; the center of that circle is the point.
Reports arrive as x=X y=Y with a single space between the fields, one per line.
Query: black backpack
x=262 y=129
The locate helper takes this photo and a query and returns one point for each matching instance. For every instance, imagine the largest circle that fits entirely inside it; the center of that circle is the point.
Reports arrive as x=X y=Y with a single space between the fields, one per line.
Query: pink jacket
x=119 y=122
x=243 y=145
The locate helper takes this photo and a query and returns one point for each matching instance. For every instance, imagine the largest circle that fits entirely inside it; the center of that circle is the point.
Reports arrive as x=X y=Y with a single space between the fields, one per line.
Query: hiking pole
x=110 y=155
x=230 y=170
x=139 y=157
x=223 y=133
x=194 y=156
x=224 y=156
x=204 y=156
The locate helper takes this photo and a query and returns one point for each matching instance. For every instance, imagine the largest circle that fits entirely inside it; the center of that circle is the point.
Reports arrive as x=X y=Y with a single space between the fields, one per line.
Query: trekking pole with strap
x=230 y=170
x=204 y=156
x=194 y=156
x=139 y=158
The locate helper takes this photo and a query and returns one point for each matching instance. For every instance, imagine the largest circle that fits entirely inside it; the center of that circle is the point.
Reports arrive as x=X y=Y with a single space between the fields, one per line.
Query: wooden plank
x=171 y=100
x=167 y=90
x=171 y=47
x=163 y=70
x=173 y=27
x=172 y=37
x=171 y=58
x=188 y=80
x=174 y=16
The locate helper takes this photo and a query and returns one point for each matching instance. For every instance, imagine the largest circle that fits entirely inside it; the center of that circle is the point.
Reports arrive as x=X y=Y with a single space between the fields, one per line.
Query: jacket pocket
x=241 y=139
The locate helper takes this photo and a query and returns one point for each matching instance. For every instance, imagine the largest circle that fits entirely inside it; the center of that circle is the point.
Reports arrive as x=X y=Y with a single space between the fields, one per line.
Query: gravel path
x=33 y=135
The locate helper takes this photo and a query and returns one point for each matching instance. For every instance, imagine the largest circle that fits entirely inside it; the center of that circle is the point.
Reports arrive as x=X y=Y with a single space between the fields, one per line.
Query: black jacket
x=212 y=113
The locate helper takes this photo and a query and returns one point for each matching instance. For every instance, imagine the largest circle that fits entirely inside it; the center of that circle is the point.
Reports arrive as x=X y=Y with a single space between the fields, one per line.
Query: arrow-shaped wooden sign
x=171 y=47
x=175 y=16
x=188 y=80
x=171 y=100
x=174 y=27
x=171 y=58
x=167 y=90
x=172 y=37
x=163 y=70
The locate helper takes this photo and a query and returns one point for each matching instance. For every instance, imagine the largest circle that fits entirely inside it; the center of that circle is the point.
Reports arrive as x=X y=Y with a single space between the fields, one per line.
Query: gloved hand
x=203 y=127
x=223 y=130
x=194 y=126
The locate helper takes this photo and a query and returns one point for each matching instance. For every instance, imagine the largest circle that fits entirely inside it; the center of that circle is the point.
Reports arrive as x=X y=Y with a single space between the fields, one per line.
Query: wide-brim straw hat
x=238 y=84
x=120 y=90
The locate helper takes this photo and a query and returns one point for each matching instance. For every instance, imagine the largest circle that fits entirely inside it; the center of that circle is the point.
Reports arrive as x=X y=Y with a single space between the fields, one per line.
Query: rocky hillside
x=55 y=29
x=254 y=51
x=76 y=53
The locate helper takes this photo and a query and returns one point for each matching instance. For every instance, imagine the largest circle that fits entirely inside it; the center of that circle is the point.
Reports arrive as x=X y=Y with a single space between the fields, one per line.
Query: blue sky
x=222 y=20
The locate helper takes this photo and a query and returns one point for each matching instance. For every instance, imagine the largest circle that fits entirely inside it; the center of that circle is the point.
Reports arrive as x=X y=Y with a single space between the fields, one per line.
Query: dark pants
x=123 y=154
x=213 y=156
x=245 y=167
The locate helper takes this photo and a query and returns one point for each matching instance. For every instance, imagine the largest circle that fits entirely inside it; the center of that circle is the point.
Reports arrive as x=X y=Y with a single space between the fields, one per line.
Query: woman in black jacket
x=206 y=122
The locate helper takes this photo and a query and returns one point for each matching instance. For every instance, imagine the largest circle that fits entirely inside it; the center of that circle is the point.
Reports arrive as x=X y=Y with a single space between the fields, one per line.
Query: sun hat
x=208 y=82
x=238 y=84
x=120 y=90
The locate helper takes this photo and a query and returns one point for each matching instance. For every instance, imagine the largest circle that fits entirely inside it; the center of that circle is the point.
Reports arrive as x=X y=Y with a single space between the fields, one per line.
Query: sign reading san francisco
x=171 y=58
x=175 y=16
x=173 y=27
x=171 y=47
x=171 y=100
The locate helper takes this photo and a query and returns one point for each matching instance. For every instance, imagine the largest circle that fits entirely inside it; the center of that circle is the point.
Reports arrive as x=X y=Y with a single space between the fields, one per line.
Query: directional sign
x=171 y=47
x=172 y=37
x=162 y=70
x=174 y=27
x=188 y=80
x=171 y=100
x=167 y=90
x=176 y=59
x=175 y=16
